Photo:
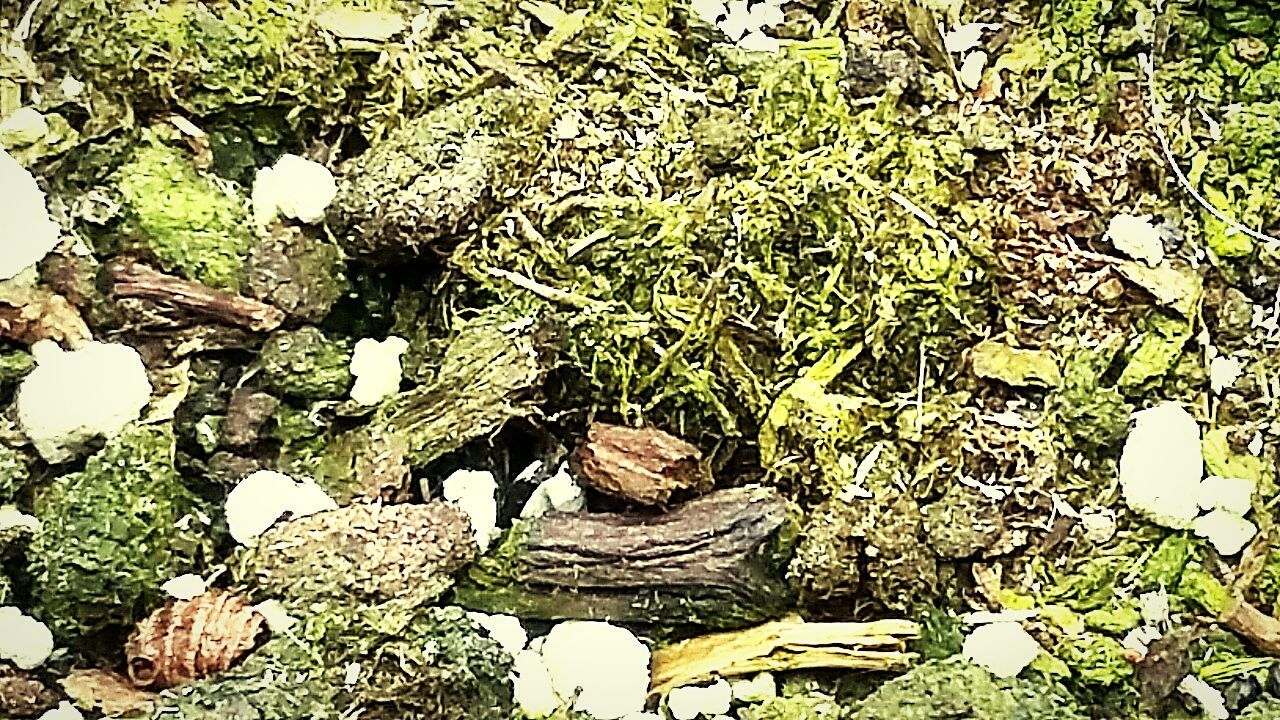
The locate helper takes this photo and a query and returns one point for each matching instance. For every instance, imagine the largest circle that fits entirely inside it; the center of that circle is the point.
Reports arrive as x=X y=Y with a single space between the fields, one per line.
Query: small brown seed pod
x=191 y=639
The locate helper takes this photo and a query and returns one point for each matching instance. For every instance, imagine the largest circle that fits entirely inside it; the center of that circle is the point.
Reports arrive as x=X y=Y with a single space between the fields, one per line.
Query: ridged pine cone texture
x=191 y=639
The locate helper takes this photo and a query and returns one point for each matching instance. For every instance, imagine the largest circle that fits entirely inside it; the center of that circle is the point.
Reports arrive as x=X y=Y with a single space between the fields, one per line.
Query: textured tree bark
x=790 y=644
x=643 y=465
x=132 y=279
x=1259 y=628
x=717 y=561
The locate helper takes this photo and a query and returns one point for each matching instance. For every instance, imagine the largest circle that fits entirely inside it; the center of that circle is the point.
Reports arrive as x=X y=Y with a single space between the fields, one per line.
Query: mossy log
x=717 y=561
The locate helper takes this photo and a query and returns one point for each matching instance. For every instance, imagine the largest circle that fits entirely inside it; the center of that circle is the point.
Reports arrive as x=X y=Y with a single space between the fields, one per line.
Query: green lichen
x=1203 y=590
x=15 y=469
x=1156 y=351
x=112 y=534
x=305 y=363
x=187 y=222
x=1095 y=659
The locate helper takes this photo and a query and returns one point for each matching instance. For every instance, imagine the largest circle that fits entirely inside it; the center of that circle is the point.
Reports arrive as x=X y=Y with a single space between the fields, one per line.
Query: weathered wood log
x=789 y=644
x=717 y=561
x=642 y=465
x=132 y=279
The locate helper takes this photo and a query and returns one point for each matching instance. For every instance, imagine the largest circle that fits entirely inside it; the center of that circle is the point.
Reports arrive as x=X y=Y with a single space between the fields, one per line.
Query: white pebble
x=560 y=493
x=1161 y=466
x=1210 y=699
x=11 y=517
x=73 y=397
x=185 y=587
x=971 y=69
x=1003 y=648
x=1154 y=607
x=64 y=711
x=296 y=188
x=532 y=684
x=505 y=630
x=24 y=640
x=604 y=665
x=760 y=688
x=1225 y=530
x=1137 y=237
x=475 y=493
x=376 y=367
x=266 y=496
x=963 y=38
x=687 y=703
x=27 y=233
x=1224 y=371
x=1232 y=494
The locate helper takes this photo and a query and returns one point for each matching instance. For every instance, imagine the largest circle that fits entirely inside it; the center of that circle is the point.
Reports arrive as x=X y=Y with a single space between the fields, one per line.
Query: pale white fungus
x=75 y=396
x=266 y=496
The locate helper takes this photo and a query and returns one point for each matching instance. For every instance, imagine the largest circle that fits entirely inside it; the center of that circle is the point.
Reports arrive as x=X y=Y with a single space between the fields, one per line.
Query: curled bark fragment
x=788 y=644
x=192 y=639
x=643 y=465
x=132 y=279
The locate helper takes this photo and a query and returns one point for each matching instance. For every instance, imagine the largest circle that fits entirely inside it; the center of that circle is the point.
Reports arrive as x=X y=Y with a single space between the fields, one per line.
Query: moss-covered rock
x=305 y=363
x=298 y=273
x=112 y=534
x=415 y=664
x=190 y=224
x=941 y=689
x=796 y=707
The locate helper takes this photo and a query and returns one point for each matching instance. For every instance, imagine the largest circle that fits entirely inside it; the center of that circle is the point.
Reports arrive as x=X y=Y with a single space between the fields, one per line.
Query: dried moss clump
x=112 y=534
x=415 y=664
x=305 y=363
x=956 y=689
x=192 y=225
x=361 y=553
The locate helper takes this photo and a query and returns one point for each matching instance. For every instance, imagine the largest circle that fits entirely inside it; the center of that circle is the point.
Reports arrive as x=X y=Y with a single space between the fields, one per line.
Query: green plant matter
x=112 y=534
x=810 y=706
x=1156 y=351
x=954 y=688
x=15 y=468
x=14 y=365
x=307 y=364
x=415 y=664
x=1095 y=659
x=190 y=224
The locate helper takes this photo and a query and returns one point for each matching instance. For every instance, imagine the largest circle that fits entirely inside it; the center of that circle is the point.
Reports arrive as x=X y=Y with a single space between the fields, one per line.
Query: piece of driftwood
x=643 y=465
x=1259 y=628
x=132 y=279
x=716 y=561
x=788 y=644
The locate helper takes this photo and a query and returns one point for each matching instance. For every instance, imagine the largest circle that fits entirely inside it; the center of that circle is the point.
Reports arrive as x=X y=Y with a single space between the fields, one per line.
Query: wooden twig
x=132 y=279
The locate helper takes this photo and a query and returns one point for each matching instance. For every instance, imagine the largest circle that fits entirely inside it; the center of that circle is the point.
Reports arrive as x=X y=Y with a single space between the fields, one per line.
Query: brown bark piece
x=192 y=639
x=788 y=644
x=106 y=691
x=644 y=465
x=132 y=279
x=1259 y=628
x=29 y=315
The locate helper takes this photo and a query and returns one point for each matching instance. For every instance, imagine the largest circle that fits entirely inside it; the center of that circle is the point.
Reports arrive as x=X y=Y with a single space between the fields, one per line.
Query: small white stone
x=737 y=21
x=963 y=38
x=560 y=493
x=1137 y=237
x=296 y=188
x=71 y=87
x=376 y=367
x=351 y=674
x=709 y=11
x=1224 y=371
x=475 y=493
x=278 y=619
x=24 y=126
x=971 y=69
x=1003 y=648
x=604 y=665
x=760 y=688
x=1255 y=445
x=757 y=41
x=64 y=711
x=693 y=701
x=1210 y=699
x=1139 y=638
x=534 y=693
x=76 y=396
x=266 y=496
x=1232 y=494
x=185 y=587
x=1099 y=525
x=11 y=518
x=1154 y=607
x=1227 y=531
x=505 y=630
x=27 y=233
x=767 y=15
x=24 y=640
x=1161 y=466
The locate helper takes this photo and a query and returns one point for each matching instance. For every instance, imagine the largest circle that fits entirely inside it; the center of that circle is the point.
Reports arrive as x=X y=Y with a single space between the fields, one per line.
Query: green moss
x=1163 y=568
x=305 y=363
x=191 y=225
x=14 y=472
x=1094 y=415
x=1203 y=590
x=810 y=706
x=1015 y=366
x=112 y=534
x=1156 y=351
x=1116 y=618
x=14 y=365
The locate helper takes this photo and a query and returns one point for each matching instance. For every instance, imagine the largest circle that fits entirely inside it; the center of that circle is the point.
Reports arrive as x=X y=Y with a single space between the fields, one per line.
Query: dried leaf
x=107 y=691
